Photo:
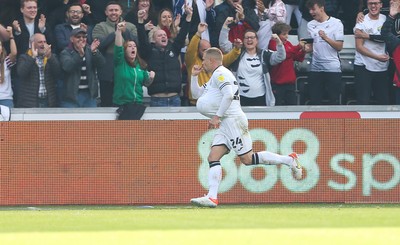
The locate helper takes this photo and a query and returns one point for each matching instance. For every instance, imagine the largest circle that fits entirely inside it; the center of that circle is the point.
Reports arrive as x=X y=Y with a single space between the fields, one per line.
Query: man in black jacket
x=38 y=70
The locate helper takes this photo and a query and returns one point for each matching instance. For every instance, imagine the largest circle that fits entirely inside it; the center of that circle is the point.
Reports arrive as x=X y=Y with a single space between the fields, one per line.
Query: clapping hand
x=42 y=22
x=95 y=44
x=16 y=26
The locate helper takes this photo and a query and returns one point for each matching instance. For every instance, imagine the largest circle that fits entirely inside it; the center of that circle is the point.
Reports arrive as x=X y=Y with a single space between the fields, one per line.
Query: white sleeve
x=278 y=56
x=195 y=89
x=224 y=44
x=264 y=34
x=227 y=98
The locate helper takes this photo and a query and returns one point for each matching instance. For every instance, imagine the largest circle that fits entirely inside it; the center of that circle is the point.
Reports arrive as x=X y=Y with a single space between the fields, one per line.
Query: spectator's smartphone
x=307 y=40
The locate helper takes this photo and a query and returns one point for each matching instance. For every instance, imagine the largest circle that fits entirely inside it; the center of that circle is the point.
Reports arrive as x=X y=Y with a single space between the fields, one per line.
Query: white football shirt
x=372 y=27
x=211 y=99
x=324 y=57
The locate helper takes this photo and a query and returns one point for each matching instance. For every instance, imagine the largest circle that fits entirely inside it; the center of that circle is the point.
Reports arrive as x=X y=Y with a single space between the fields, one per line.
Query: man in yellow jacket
x=194 y=54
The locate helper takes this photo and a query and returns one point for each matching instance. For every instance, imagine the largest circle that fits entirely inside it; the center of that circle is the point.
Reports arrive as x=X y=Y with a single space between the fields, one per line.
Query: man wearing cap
x=80 y=62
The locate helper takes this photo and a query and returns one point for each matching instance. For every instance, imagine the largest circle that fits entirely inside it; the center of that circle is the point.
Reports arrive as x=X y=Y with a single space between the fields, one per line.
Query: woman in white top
x=6 y=62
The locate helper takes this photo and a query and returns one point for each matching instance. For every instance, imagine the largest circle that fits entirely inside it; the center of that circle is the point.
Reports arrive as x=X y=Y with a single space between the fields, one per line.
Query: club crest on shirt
x=221 y=78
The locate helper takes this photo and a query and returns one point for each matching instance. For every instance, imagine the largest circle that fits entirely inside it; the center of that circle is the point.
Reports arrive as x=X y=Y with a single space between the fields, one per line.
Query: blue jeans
x=8 y=103
x=165 y=101
x=84 y=99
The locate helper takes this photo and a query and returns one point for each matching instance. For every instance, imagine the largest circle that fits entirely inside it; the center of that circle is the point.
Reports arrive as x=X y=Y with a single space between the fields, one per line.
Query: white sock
x=214 y=178
x=270 y=158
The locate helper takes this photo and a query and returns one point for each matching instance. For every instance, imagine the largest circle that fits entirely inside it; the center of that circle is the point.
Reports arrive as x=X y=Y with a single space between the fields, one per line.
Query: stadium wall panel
x=152 y=162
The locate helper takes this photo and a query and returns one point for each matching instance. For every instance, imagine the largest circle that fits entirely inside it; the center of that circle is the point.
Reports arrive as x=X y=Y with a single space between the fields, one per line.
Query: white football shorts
x=234 y=133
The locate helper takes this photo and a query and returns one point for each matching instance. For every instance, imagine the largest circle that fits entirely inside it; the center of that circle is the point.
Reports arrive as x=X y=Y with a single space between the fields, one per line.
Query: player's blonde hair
x=215 y=54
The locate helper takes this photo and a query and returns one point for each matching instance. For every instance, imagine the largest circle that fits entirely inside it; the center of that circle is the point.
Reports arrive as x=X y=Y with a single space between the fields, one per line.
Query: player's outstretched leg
x=270 y=158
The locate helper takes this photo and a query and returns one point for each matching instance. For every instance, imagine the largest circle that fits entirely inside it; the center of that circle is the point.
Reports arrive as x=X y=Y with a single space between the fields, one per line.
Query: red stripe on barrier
x=330 y=114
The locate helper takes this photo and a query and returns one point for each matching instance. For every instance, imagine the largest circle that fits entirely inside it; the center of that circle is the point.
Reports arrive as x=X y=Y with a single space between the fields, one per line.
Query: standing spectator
x=219 y=101
x=167 y=23
x=74 y=14
x=252 y=71
x=6 y=62
x=203 y=12
x=283 y=75
x=60 y=15
x=149 y=15
x=80 y=63
x=105 y=33
x=38 y=70
x=325 y=76
x=393 y=44
x=245 y=18
x=371 y=61
x=194 y=56
x=28 y=25
x=270 y=11
x=163 y=58
x=130 y=76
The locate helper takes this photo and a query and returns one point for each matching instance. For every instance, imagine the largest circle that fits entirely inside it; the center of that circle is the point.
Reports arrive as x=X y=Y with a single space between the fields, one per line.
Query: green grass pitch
x=294 y=224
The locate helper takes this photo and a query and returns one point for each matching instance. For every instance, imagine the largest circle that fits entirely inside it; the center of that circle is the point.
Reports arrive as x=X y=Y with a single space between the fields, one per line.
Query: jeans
x=9 y=103
x=165 y=101
x=83 y=99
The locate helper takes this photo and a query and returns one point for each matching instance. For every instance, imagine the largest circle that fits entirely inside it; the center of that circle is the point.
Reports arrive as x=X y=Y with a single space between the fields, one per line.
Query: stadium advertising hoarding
x=165 y=162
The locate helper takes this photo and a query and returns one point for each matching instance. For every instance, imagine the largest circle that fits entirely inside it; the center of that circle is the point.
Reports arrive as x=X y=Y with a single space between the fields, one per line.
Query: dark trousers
x=257 y=101
x=285 y=94
x=371 y=81
x=325 y=83
x=106 y=93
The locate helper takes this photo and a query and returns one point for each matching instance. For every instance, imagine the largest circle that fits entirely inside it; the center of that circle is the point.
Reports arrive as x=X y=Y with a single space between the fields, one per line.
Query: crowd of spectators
x=89 y=53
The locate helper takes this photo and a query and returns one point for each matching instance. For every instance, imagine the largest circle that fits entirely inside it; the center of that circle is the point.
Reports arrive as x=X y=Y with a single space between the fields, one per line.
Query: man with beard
x=105 y=33
x=62 y=31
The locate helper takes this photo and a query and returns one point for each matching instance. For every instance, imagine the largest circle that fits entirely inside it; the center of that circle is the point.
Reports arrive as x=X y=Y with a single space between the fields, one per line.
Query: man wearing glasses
x=74 y=16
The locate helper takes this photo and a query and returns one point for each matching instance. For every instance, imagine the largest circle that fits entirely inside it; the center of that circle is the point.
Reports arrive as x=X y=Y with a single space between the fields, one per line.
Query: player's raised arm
x=196 y=90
